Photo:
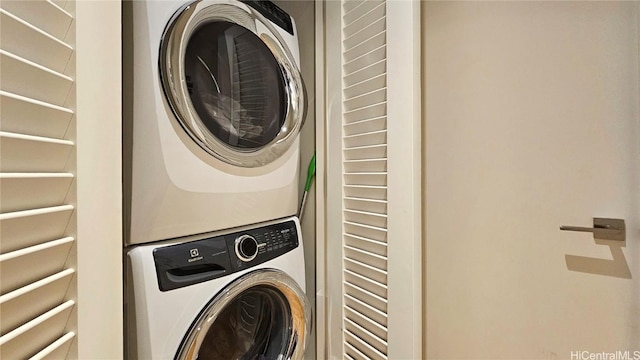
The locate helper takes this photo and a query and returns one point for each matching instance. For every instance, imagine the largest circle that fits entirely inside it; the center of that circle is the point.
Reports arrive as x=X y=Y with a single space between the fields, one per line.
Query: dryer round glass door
x=231 y=82
x=235 y=85
x=262 y=315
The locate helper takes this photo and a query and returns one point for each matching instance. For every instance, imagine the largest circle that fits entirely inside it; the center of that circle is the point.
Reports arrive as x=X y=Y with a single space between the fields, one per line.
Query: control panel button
x=246 y=247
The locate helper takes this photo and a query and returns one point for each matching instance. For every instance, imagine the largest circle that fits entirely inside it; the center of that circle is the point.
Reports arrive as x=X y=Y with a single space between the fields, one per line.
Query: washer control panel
x=197 y=261
x=256 y=246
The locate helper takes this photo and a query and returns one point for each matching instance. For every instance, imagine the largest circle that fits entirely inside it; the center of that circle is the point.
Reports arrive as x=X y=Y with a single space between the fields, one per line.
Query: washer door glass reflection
x=254 y=326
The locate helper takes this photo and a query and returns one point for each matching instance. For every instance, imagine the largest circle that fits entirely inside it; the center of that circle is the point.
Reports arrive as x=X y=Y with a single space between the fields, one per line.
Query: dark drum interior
x=255 y=325
x=235 y=85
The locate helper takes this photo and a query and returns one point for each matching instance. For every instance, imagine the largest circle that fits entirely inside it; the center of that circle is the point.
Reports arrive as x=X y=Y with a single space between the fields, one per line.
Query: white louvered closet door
x=373 y=179
x=37 y=179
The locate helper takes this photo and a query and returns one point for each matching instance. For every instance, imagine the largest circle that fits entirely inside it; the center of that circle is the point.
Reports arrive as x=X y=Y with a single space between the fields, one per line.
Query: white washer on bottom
x=225 y=295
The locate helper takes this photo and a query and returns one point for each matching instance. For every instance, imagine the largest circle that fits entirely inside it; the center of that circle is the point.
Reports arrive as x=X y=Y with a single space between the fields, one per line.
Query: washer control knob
x=247 y=247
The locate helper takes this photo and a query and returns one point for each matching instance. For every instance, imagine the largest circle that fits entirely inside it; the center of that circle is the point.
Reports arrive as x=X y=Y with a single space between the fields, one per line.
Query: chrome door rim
x=172 y=77
x=276 y=279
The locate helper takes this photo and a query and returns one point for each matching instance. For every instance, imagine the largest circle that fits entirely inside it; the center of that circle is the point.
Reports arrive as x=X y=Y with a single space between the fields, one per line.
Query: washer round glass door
x=231 y=82
x=262 y=315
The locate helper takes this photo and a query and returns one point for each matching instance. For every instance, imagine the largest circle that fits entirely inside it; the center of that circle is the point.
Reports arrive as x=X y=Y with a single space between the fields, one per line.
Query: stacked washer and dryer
x=214 y=103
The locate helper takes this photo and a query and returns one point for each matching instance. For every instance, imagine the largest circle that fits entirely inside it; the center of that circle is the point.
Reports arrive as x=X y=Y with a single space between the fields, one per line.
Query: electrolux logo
x=613 y=355
x=195 y=255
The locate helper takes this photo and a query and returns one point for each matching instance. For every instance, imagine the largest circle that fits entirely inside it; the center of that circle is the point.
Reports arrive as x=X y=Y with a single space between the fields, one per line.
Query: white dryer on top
x=214 y=102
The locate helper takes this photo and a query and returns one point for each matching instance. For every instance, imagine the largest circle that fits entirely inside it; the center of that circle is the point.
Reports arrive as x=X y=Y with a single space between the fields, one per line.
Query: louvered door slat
x=24 y=191
x=365 y=231
x=351 y=352
x=36 y=179
x=372 y=96
x=355 y=337
x=366 y=86
x=372 y=111
x=42 y=14
x=36 y=334
x=24 y=77
x=375 y=247
x=365 y=256
x=26 y=303
x=366 y=152
x=32 y=117
x=365 y=68
x=49 y=257
x=364 y=126
x=349 y=6
x=366 y=192
x=365 y=100
x=364 y=110
x=368 y=32
x=57 y=349
x=375 y=57
x=364 y=333
x=372 y=314
x=364 y=321
x=354 y=12
x=26 y=153
x=366 y=217
x=27 y=41
x=361 y=17
x=22 y=229
x=371 y=178
x=366 y=297
x=366 y=276
x=365 y=165
x=365 y=47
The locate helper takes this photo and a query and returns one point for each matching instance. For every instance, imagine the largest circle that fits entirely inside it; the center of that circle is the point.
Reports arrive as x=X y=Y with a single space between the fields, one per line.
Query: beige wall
x=494 y=73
